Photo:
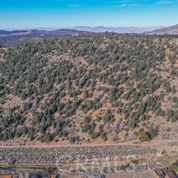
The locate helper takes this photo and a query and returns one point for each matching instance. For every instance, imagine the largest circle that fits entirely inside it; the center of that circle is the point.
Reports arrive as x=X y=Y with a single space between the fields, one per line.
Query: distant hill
x=10 y=37
x=12 y=32
x=16 y=36
x=173 y=30
x=116 y=29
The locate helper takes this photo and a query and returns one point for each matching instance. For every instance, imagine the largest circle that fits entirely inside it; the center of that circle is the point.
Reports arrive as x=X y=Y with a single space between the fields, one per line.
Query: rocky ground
x=132 y=159
x=51 y=156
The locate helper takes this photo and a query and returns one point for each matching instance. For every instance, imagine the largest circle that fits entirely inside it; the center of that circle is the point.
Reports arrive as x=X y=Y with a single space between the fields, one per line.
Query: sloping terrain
x=173 y=30
x=89 y=89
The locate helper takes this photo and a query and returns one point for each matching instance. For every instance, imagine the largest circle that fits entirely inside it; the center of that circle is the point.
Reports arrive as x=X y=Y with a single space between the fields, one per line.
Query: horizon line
x=81 y=26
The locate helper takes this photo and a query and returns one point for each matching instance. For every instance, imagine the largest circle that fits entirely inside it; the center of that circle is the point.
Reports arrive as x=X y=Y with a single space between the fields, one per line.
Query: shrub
x=144 y=136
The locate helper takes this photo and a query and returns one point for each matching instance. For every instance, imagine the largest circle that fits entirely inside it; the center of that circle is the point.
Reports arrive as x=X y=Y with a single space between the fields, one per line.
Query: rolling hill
x=10 y=37
x=173 y=30
x=19 y=36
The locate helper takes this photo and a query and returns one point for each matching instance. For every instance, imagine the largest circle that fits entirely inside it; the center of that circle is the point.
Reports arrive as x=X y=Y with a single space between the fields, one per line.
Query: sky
x=19 y=14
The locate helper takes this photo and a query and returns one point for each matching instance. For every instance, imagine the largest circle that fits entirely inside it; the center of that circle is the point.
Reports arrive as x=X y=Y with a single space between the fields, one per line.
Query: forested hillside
x=99 y=88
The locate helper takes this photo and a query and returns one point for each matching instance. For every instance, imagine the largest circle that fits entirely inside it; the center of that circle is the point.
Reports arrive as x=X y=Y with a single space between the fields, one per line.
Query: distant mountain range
x=116 y=29
x=8 y=37
x=172 y=30
x=16 y=36
x=12 y=32
x=42 y=33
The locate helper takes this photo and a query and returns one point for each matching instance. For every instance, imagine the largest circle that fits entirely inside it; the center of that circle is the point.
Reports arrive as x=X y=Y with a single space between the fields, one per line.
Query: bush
x=144 y=136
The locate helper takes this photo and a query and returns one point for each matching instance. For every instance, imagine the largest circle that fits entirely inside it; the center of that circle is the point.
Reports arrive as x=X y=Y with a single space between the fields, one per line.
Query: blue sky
x=69 y=13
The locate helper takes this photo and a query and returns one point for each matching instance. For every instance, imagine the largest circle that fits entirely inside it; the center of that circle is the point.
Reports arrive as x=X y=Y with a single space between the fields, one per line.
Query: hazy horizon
x=79 y=26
